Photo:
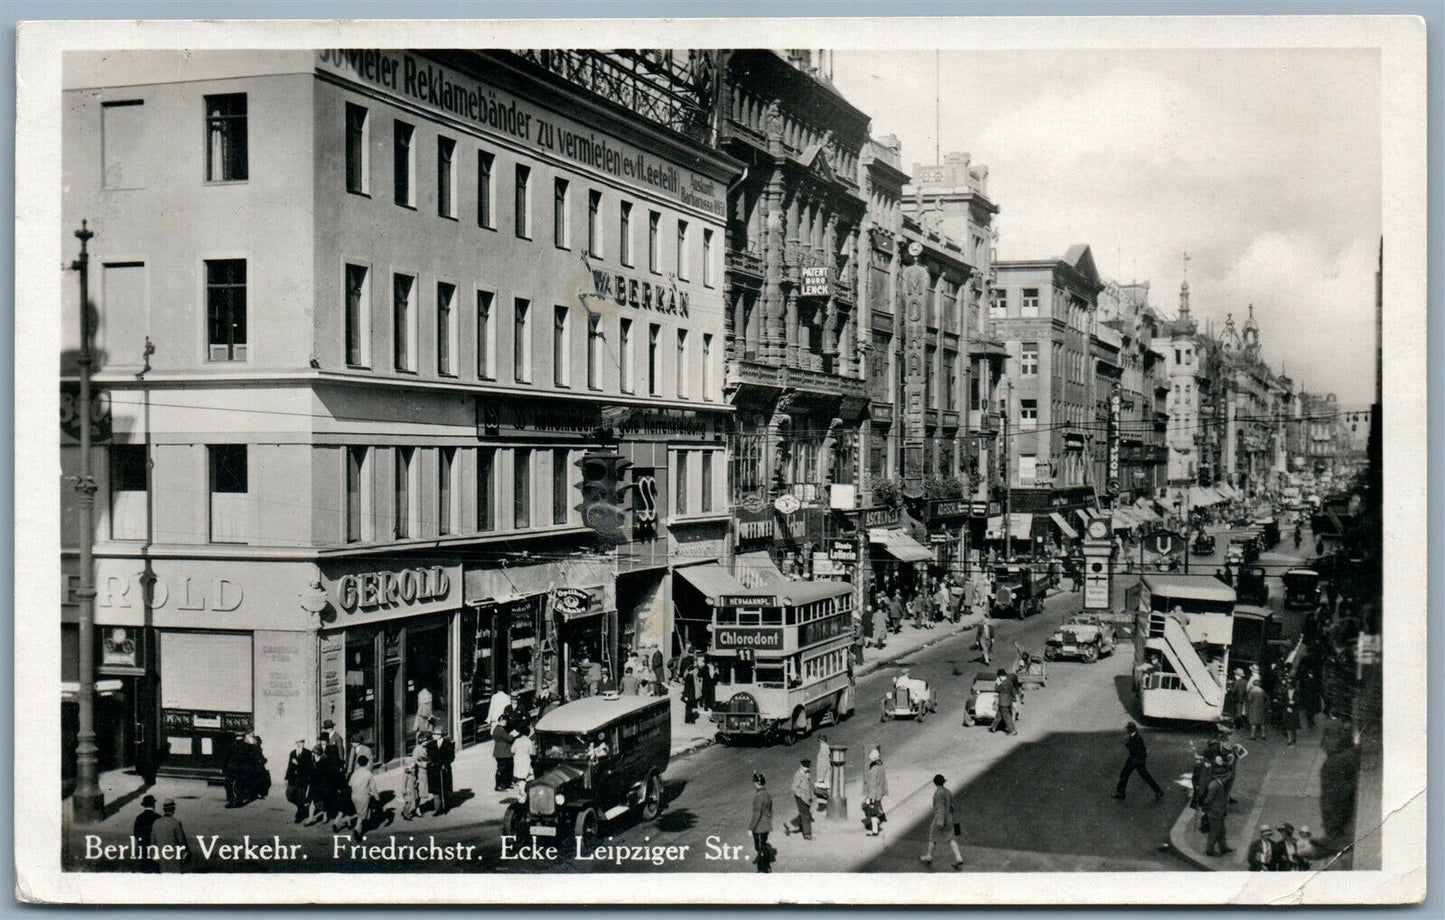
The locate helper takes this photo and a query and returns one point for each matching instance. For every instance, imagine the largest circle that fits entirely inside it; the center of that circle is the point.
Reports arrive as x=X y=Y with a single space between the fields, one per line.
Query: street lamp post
x=87 y=802
x=1007 y=473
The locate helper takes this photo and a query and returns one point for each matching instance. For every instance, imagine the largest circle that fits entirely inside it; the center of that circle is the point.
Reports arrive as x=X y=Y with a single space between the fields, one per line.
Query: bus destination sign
x=744 y=638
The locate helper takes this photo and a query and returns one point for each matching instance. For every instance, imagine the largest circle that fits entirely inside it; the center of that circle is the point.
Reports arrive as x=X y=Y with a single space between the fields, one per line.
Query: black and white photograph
x=956 y=452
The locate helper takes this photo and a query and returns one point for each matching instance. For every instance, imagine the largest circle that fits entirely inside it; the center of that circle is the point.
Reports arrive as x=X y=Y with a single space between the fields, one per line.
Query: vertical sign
x=1114 y=407
x=333 y=683
x=916 y=288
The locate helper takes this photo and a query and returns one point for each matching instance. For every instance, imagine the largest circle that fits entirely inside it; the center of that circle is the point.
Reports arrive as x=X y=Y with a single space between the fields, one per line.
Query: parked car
x=1269 y=528
x=596 y=759
x=1242 y=551
x=1085 y=636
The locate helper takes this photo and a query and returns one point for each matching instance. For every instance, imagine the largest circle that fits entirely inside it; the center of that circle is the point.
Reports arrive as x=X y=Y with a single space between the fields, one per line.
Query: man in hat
x=762 y=823
x=1004 y=719
x=300 y=765
x=802 y=790
x=173 y=849
x=1136 y=762
x=328 y=728
x=141 y=832
x=1216 y=806
x=1238 y=695
x=1264 y=852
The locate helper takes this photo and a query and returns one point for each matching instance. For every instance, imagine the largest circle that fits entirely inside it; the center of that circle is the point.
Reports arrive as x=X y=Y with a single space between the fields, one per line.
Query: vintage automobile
x=1251 y=586
x=1018 y=591
x=1301 y=588
x=595 y=760
x=1203 y=544
x=1242 y=551
x=910 y=698
x=1269 y=527
x=981 y=707
x=1084 y=636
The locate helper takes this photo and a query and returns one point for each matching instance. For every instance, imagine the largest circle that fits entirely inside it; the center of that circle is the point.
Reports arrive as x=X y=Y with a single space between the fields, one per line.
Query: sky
x=1262 y=165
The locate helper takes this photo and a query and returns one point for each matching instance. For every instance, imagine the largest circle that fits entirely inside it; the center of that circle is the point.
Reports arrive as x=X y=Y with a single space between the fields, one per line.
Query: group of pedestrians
x=161 y=838
x=243 y=771
x=1212 y=789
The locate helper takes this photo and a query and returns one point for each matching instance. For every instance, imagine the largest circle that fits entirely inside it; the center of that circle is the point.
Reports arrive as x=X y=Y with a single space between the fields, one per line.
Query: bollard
x=838 y=794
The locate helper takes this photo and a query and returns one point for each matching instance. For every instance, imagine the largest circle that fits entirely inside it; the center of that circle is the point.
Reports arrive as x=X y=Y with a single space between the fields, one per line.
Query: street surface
x=1038 y=801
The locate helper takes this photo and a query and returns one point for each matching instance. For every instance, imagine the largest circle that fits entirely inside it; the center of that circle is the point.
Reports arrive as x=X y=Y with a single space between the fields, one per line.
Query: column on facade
x=772 y=305
x=830 y=321
x=792 y=219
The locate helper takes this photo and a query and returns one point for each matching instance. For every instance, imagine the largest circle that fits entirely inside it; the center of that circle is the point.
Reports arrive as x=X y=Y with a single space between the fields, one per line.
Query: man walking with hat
x=1216 y=806
x=1136 y=762
x=141 y=832
x=762 y=823
x=1264 y=853
x=173 y=849
x=802 y=790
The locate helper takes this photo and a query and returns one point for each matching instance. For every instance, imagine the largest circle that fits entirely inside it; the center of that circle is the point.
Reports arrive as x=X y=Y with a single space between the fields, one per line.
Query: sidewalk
x=1276 y=783
x=202 y=806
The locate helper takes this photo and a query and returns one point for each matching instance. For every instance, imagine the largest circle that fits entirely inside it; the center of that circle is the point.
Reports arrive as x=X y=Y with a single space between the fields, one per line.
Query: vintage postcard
x=553 y=461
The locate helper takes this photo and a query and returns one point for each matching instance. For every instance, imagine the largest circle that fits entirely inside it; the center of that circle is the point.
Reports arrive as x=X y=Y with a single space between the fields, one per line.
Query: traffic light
x=604 y=507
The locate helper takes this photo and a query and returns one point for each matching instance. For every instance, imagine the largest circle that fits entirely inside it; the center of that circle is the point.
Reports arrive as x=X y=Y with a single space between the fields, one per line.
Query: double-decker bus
x=1183 y=631
x=783 y=659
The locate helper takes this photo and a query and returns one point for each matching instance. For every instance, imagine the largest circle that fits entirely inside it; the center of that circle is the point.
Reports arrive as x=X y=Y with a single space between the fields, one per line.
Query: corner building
x=360 y=314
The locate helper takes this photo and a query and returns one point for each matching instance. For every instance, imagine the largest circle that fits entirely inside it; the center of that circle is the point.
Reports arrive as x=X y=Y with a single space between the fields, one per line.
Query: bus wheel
x=585 y=830
x=801 y=725
x=652 y=797
x=845 y=704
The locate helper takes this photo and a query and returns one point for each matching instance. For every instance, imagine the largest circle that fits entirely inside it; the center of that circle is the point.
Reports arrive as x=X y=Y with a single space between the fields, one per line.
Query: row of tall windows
x=225 y=129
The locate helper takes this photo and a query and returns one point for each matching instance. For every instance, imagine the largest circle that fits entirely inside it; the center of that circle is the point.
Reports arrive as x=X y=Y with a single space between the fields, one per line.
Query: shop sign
x=755 y=530
x=734 y=638
x=333 y=686
x=100 y=414
x=497 y=416
x=633 y=292
x=947 y=507
x=823 y=567
x=462 y=97
x=121 y=650
x=747 y=600
x=843 y=551
x=373 y=590
x=880 y=517
x=978 y=509
x=571 y=601
x=815 y=281
x=139 y=590
x=1073 y=441
x=940 y=539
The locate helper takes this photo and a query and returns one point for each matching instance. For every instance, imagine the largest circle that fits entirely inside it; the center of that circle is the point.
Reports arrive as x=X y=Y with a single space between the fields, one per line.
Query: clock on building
x=1099 y=529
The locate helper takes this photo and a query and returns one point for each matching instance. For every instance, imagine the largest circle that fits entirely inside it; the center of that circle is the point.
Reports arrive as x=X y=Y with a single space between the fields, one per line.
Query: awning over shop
x=1143 y=510
x=711 y=580
x=1123 y=520
x=899 y=545
x=1021 y=523
x=1063 y=525
x=757 y=569
x=1200 y=497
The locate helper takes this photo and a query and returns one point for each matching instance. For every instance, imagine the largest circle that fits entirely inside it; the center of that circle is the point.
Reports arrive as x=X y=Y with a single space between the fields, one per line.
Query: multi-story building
x=950 y=201
x=357 y=338
x=795 y=371
x=1143 y=386
x=1319 y=424
x=1044 y=311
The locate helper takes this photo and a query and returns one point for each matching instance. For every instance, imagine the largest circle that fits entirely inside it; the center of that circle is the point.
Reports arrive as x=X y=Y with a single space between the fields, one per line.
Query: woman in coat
x=709 y=686
x=875 y=789
x=1289 y=711
x=1257 y=706
x=761 y=824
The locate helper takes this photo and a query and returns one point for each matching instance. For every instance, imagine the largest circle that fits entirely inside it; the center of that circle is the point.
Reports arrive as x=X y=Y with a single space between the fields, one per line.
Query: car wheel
x=514 y=823
x=652 y=797
x=886 y=715
x=967 y=719
x=585 y=829
x=1091 y=654
x=1050 y=653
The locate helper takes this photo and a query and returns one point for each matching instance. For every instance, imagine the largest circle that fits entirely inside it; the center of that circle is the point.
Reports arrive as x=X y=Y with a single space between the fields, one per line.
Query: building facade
x=794 y=365
x=1058 y=373
x=395 y=300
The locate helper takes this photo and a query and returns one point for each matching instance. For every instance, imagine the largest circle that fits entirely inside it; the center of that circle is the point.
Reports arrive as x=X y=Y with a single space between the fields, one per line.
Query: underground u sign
x=1164 y=543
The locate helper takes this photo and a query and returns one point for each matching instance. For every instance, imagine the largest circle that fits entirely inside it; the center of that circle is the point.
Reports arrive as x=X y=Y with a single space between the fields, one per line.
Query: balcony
x=753 y=373
x=748 y=263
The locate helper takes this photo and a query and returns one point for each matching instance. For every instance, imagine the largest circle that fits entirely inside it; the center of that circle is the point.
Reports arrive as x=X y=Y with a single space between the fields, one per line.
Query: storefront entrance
x=499 y=653
x=397 y=684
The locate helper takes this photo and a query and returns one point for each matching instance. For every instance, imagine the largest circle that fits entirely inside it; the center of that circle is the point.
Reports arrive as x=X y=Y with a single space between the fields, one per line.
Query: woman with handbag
x=875 y=787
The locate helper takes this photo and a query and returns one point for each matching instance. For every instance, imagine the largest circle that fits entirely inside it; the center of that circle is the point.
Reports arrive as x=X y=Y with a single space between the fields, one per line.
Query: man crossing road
x=1136 y=762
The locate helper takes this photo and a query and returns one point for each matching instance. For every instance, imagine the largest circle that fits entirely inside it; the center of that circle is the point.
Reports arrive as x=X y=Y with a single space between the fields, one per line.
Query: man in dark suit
x=1216 y=806
x=762 y=823
x=1136 y=762
x=1004 y=719
x=1265 y=852
x=141 y=831
x=300 y=765
x=441 y=753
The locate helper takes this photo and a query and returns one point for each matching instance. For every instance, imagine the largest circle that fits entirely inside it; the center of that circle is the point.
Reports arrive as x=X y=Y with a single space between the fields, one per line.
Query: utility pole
x=1007 y=474
x=87 y=802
